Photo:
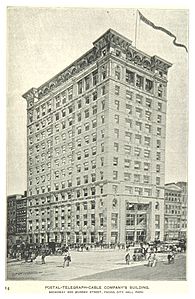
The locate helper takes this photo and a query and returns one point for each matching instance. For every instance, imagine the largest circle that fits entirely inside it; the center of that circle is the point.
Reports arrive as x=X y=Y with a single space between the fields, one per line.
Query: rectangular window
x=127 y=149
x=93 y=178
x=95 y=78
x=94 y=96
x=94 y=137
x=129 y=109
x=139 y=99
x=148 y=128
x=138 y=125
x=159 y=119
x=146 y=153
x=127 y=176
x=146 y=166
x=114 y=220
x=86 y=127
x=128 y=137
x=146 y=179
x=149 y=85
x=148 y=103
x=158 y=168
x=79 y=104
x=103 y=71
x=86 y=166
x=137 y=165
x=128 y=123
x=116 y=102
x=116 y=133
x=115 y=175
x=130 y=77
x=80 y=87
x=129 y=95
x=103 y=104
x=87 y=113
x=94 y=109
x=128 y=190
x=130 y=219
x=57 y=116
x=158 y=143
x=116 y=147
x=115 y=161
x=159 y=131
x=138 y=112
x=138 y=191
x=116 y=118
x=87 y=83
x=137 y=178
x=159 y=107
x=157 y=221
x=86 y=153
x=93 y=164
x=127 y=163
x=94 y=150
x=117 y=73
x=117 y=90
x=139 y=81
x=137 y=152
x=147 y=141
x=138 y=139
x=158 y=156
x=93 y=219
x=103 y=90
x=148 y=115
x=94 y=123
x=85 y=179
x=86 y=139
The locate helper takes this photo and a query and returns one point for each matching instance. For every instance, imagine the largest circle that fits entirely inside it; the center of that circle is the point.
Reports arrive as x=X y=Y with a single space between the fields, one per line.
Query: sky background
x=42 y=42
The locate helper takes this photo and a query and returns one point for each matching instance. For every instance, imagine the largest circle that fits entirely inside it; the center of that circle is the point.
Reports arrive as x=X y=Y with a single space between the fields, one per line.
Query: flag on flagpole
x=146 y=21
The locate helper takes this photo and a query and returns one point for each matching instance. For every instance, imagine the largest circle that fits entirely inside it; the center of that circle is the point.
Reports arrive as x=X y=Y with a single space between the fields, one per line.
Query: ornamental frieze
x=109 y=39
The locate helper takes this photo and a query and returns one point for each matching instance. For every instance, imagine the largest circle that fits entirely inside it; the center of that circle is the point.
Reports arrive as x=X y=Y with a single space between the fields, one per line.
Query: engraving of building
x=96 y=148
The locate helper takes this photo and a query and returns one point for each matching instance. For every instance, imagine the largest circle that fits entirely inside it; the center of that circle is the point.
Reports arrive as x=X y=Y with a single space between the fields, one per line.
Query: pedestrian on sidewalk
x=43 y=257
x=67 y=259
x=127 y=258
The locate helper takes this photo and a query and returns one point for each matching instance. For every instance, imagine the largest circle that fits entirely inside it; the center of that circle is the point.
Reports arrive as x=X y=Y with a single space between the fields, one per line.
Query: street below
x=97 y=266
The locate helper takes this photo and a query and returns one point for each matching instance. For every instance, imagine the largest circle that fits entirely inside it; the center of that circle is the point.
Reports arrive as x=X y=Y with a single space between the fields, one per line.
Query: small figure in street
x=43 y=257
x=127 y=258
x=152 y=260
x=171 y=257
x=67 y=259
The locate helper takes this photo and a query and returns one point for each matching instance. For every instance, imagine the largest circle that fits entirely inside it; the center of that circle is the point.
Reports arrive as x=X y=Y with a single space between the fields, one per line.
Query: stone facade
x=176 y=211
x=96 y=148
x=16 y=218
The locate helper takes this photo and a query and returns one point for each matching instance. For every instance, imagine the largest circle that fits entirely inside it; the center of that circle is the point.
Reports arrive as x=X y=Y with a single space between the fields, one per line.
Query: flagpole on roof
x=136 y=24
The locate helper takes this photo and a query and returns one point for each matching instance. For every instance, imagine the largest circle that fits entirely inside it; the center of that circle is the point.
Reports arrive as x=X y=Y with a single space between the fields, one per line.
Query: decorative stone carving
x=31 y=94
x=109 y=38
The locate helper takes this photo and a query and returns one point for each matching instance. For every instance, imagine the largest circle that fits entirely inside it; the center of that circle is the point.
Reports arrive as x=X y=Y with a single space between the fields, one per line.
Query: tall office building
x=96 y=148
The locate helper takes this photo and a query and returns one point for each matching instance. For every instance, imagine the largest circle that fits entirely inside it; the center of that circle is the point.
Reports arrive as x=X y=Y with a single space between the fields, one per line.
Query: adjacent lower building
x=176 y=211
x=96 y=148
x=184 y=209
x=16 y=218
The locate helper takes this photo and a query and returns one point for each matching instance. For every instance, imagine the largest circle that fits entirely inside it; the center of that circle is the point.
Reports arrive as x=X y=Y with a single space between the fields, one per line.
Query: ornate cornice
x=109 y=39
